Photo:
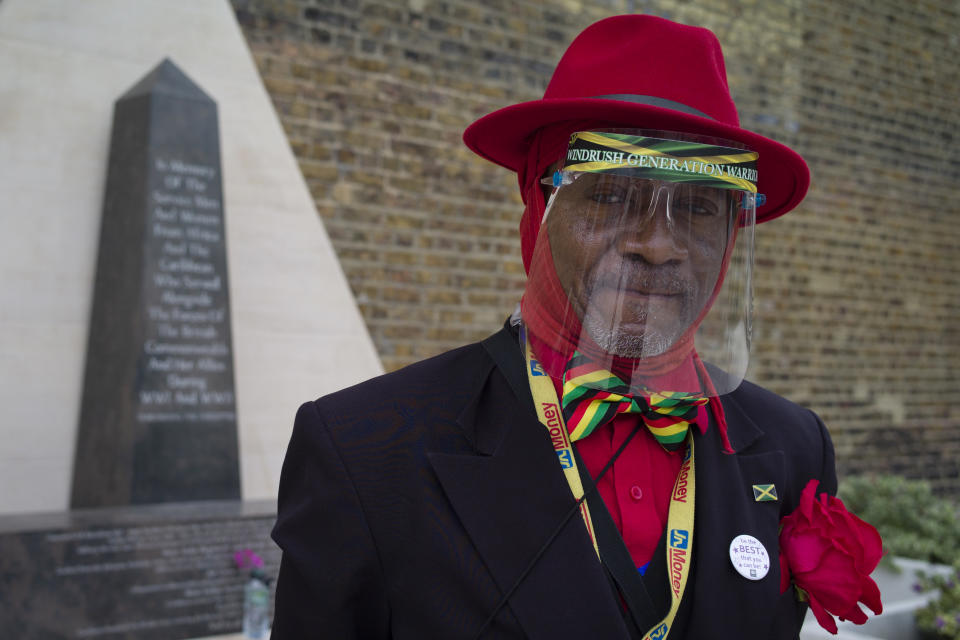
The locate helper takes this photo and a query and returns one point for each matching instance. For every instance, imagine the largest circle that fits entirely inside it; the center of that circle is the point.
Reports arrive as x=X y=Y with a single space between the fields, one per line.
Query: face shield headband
x=637 y=239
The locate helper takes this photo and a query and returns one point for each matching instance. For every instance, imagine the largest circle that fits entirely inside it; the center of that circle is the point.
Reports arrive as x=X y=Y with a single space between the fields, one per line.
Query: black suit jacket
x=410 y=503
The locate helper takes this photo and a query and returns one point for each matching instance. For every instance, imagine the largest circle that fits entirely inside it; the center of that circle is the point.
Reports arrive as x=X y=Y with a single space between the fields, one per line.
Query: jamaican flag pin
x=765 y=492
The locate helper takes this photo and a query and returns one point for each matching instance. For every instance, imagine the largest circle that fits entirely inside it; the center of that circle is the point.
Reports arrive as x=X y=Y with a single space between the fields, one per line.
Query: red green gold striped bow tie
x=592 y=397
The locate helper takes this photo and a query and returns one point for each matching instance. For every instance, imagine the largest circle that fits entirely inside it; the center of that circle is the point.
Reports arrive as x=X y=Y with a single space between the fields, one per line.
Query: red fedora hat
x=650 y=73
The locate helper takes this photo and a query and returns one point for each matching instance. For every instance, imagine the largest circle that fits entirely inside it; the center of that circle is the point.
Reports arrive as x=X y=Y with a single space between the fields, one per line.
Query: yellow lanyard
x=548 y=411
x=680 y=519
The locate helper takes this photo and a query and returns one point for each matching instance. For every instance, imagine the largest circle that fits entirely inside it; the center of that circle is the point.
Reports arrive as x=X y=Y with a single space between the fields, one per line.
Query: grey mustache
x=661 y=279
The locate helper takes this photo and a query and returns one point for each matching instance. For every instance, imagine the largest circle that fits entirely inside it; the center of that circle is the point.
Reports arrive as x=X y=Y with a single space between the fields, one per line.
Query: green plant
x=912 y=521
x=940 y=619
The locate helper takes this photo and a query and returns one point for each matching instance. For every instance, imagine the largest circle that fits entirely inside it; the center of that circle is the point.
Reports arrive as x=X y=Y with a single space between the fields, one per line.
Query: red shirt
x=637 y=488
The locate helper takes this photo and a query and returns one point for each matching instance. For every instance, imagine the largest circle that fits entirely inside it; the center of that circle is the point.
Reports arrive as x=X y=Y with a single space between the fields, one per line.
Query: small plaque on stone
x=157 y=572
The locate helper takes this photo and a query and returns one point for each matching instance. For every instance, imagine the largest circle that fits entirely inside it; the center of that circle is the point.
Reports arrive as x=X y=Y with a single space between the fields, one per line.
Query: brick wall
x=857 y=290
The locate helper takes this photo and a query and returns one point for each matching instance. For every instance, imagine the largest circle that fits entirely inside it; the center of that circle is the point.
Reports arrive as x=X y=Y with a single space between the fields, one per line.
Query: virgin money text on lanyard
x=680 y=520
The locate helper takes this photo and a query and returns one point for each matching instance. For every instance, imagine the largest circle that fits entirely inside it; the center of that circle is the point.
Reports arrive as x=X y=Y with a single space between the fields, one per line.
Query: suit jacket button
x=636 y=493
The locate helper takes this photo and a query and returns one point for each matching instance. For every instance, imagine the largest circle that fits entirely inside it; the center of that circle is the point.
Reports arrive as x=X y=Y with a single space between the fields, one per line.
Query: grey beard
x=607 y=334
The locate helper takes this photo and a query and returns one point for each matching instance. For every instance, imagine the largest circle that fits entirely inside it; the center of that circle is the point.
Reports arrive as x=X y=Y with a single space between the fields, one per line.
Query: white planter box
x=900 y=600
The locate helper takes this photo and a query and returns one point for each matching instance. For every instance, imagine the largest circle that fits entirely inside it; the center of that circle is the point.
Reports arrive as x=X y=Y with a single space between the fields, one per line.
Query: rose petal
x=850 y=534
x=862 y=541
x=835 y=582
x=854 y=615
x=806 y=499
x=870 y=595
x=823 y=515
x=872 y=547
x=804 y=552
x=825 y=619
x=824 y=499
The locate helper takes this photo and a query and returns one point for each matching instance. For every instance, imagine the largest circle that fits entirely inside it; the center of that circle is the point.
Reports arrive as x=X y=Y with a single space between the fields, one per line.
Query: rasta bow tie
x=593 y=396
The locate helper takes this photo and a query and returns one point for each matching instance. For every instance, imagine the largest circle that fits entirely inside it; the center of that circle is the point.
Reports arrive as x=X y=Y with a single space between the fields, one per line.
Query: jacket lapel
x=741 y=429
x=515 y=505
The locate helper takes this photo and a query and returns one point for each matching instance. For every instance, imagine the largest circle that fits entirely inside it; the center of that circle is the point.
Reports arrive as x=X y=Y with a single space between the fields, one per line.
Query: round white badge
x=749 y=557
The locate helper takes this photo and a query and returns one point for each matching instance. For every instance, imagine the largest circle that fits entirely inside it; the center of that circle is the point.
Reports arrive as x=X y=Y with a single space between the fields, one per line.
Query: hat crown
x=642 y=72
x=646 y=56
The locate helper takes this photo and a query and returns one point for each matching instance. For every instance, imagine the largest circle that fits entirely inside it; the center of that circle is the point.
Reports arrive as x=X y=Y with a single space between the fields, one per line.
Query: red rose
x=829 y=554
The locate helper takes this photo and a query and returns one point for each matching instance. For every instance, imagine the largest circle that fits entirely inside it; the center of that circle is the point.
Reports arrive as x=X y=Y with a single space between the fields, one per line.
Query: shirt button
x=636 y=493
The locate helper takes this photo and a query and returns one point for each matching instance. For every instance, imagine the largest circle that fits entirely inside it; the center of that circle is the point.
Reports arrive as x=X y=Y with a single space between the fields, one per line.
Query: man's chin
x=632 y=340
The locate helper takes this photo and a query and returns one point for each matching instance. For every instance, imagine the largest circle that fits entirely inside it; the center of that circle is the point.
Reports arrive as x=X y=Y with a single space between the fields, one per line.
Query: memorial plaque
x=134 y=573
x=158 y=417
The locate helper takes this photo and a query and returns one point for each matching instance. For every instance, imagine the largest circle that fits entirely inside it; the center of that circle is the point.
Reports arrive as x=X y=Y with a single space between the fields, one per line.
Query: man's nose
x=650 y=235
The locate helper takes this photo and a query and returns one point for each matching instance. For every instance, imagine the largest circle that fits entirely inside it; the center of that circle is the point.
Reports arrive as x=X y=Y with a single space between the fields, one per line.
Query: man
x=586 y=472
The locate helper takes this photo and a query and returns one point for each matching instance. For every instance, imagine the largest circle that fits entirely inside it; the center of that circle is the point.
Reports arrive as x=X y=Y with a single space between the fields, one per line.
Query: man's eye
x=607 y=196
x=699 y=207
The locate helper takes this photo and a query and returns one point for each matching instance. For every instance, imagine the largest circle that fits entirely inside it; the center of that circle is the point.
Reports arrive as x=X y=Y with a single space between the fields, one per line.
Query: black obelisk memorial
x=158 y=417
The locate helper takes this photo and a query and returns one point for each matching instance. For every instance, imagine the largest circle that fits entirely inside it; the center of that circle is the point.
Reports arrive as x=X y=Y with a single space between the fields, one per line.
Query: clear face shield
x=650 y=238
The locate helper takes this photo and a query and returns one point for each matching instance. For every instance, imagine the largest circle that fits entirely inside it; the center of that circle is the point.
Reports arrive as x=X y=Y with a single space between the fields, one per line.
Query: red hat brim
x=504 y=137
